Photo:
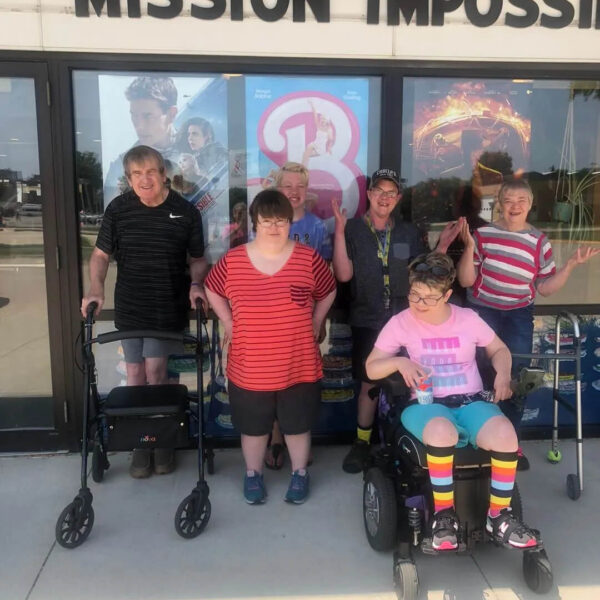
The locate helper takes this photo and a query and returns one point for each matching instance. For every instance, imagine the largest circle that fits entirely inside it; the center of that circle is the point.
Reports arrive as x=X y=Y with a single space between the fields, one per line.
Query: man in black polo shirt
x=153 y=234
x=373 y=252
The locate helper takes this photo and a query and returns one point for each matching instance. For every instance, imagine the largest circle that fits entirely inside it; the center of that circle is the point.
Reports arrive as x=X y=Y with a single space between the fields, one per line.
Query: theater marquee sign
x=550 y=14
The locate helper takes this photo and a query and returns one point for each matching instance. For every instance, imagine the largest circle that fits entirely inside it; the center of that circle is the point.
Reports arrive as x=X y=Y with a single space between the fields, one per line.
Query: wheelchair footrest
x=427 y=548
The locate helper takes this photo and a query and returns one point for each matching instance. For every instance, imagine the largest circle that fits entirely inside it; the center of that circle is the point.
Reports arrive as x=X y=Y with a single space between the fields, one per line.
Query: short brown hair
x=435 y=270
x=270 y=204
x=291 y=167
x=139 y=154
x=161 y=89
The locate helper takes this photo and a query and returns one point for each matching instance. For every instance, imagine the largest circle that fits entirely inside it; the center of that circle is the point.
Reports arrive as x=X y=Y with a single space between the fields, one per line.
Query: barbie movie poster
x=320 y=122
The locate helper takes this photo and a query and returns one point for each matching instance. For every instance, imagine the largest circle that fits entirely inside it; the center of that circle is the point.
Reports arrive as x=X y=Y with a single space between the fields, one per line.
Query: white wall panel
x=52 y=25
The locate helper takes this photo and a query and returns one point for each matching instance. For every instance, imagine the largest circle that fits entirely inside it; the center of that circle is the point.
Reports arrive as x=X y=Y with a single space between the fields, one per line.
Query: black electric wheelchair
x=397 y=498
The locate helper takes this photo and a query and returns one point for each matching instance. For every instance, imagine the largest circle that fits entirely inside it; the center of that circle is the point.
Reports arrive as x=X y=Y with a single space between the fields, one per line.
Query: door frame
x=36 y=439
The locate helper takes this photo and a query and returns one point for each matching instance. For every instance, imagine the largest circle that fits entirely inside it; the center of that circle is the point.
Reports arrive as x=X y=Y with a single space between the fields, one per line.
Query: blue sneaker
x=298 y=491
x=254 y=488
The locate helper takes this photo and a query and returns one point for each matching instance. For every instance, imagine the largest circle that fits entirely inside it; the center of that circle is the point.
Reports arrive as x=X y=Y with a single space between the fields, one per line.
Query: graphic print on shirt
x=440 y=353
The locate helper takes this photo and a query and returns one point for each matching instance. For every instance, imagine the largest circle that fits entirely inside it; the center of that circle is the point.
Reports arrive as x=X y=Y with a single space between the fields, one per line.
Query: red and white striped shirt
x=273 y=345
x=510 y=265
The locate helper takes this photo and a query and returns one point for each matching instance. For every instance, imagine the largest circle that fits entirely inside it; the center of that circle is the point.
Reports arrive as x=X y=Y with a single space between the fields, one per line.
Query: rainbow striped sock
x=439 y=463
x=504 y=471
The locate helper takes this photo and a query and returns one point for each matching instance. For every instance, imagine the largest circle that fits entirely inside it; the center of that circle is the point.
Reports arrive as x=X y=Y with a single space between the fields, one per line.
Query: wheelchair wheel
x=406 y=580
x=74 y=524
x=573 y=487
x=537 y=571
x=380 y=510
x=192 y=515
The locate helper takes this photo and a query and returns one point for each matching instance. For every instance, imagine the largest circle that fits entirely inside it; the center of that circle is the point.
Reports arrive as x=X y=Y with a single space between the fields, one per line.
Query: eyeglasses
x=436 y=270
x=378 y=192
x=415 y=299
x=268 y=223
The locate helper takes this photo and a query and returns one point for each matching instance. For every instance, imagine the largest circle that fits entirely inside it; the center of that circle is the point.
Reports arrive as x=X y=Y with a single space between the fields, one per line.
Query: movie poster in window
x=463 y=132
x=319 y=122
x=185 y=119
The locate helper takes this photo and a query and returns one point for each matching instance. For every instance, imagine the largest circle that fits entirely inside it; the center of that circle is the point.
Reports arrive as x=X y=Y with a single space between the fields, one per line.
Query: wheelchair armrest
x=395 y=388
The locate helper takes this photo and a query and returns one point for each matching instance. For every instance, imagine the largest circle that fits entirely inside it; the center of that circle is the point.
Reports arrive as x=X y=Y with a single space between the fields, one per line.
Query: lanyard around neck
x=383 y=250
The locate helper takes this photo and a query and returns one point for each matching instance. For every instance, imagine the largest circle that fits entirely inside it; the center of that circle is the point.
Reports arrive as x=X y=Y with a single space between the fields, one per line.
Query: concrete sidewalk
x=310 y=552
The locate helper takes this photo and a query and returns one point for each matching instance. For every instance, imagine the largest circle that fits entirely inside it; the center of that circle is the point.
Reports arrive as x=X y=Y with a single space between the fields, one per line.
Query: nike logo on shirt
x=172 y=216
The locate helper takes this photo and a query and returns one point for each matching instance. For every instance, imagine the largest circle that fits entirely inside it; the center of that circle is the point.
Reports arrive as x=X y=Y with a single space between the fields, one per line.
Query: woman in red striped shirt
x=272 y=295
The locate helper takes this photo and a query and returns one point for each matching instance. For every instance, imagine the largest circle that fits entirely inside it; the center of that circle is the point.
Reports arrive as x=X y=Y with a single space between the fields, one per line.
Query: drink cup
x=425 y=388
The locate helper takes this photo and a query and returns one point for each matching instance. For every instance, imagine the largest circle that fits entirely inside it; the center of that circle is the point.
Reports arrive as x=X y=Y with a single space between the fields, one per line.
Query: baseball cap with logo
x=388 y=174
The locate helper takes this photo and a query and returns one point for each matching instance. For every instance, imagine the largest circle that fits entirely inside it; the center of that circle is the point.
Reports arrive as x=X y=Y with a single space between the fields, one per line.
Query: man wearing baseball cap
x=373 y=252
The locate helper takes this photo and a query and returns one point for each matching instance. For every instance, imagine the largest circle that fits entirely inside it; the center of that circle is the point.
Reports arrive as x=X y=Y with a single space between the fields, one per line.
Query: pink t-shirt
x=449 y=348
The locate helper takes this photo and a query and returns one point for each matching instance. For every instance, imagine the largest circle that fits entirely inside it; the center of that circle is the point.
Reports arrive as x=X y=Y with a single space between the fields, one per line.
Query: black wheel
x=380 y=510
x=573 y=487
x=99 y=463
x=537 y=571
x=516 y=504
x=74 y=524
x=406 y=580
x=192 y=515
x=210 y=462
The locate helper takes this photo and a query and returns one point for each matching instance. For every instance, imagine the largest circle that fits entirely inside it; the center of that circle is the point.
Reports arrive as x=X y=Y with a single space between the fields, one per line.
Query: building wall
x=53 y=26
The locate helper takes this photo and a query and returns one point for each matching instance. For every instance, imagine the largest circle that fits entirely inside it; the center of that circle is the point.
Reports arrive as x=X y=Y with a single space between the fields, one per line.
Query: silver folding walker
x=574 y=480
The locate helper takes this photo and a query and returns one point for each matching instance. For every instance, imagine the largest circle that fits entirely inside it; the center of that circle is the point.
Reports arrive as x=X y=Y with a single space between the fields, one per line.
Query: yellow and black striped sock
x=364 y=434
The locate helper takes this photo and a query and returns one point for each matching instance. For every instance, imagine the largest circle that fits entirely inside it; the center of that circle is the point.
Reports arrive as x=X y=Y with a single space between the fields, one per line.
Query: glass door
x=28 y=263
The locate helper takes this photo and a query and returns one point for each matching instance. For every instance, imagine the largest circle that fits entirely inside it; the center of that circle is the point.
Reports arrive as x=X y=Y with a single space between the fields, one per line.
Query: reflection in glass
x=25 y=353
x=462 y=138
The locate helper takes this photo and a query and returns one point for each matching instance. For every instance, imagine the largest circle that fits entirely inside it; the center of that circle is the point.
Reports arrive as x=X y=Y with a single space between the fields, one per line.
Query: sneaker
x=507 y=530
x=444 y=530
x=254 y=488
x=356 y=460
x=164 y=460
x=522 y=460
x=141 y=463
x=297 y=493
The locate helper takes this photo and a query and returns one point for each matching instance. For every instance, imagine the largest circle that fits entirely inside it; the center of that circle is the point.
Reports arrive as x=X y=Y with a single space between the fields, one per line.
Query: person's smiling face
x=293 y=187
x=147 y=181
x=514 y=208
x=383 y=197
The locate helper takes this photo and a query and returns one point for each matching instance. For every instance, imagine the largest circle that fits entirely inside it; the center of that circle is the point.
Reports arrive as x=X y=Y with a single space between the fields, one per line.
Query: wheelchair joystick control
x=414 y=522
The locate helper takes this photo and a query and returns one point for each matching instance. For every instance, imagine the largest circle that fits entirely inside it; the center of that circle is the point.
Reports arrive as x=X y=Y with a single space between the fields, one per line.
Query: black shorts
x=363 y=340
x=296 y=408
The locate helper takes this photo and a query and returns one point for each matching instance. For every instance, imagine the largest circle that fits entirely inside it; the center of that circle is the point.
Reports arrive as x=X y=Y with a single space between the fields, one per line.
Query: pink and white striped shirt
x=510 y=264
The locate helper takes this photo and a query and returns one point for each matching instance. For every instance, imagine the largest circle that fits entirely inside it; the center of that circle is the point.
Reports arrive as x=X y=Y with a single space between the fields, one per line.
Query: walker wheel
x=99 y=463
x=210 y=461
x=537 y=571
x=406 y=580
x=74 y=524
x=192 y=515
x=554 y=456
x=573 y=486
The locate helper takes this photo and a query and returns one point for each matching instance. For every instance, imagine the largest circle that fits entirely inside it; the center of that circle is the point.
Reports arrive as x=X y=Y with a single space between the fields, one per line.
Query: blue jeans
x=515 y=328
